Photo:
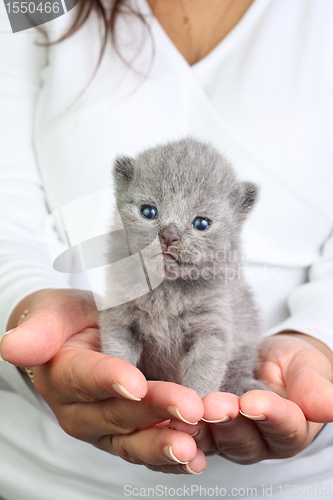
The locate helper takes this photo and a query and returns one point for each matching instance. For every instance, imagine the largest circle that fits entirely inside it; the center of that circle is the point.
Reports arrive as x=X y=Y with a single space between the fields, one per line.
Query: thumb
x=53 y=316
x=309 y=385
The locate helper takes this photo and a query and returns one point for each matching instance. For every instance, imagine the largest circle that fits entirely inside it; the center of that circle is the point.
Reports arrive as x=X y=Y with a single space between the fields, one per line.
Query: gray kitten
x=200 y=326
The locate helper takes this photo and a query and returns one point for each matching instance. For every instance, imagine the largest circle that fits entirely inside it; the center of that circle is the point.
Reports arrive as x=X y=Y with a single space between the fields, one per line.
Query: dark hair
x=108 y=17
x=107 y=14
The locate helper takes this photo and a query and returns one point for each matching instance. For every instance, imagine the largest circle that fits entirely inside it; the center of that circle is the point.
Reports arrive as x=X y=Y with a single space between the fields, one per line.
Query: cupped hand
x=268 y=425
x=102 y=400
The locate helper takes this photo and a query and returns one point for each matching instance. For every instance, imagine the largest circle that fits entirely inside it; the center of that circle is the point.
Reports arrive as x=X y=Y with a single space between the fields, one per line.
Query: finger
x=314 y=394
x=77 y=375
x=236 y=438
x=158 y=448
x=91 y=421
x=54 y=315
x=218 y=408
x=200 y=433
x=281 y=423
x=309 y=384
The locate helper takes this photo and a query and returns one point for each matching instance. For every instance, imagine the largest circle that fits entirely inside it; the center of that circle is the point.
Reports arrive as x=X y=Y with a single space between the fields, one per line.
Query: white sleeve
x=25 y=265
x=311 y=304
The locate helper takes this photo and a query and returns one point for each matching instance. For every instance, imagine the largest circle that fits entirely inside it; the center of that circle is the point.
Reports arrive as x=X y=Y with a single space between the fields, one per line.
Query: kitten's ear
x=123 y=169
x=250 y=196
x=245 y=197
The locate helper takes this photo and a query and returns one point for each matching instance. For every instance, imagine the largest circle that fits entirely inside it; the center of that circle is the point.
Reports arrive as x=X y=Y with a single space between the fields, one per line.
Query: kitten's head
x=187 y=193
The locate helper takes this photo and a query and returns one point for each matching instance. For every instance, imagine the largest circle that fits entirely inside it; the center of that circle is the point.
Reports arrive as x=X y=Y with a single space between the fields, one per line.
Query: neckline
x=224 y=46
x=234 y=36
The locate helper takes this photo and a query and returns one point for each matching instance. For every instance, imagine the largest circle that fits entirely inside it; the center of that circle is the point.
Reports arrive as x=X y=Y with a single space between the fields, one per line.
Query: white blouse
x=263 y=96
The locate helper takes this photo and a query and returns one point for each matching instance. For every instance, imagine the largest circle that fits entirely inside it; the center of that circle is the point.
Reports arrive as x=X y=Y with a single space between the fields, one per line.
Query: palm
x=274 y=424
x=296 y=370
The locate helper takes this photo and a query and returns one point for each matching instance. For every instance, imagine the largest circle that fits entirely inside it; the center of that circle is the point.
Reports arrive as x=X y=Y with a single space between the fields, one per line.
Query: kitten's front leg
x=240 y=375
x=118 y=340
x=203 y=368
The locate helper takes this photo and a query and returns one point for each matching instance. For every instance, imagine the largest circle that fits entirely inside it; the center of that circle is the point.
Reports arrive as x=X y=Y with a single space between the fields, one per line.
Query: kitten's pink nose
x=170 y=236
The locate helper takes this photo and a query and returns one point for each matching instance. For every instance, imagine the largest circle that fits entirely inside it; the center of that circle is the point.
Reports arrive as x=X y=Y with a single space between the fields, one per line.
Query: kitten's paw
x=254 y=385
x=242 y=386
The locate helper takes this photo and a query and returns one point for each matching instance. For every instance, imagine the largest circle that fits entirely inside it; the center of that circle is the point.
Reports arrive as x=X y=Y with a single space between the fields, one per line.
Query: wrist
x=19 y=310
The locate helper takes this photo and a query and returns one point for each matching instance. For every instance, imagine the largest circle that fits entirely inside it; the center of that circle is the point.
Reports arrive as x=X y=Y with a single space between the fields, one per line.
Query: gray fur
x=200 y=326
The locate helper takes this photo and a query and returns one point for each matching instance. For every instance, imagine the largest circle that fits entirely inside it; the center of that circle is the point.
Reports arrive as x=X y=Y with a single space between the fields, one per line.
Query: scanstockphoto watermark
x=217 y=491
x=194 y=491
x=25 y=14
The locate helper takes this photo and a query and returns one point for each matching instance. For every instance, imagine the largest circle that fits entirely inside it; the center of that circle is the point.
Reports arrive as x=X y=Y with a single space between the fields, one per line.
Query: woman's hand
x=96 y=398
x=275 y=424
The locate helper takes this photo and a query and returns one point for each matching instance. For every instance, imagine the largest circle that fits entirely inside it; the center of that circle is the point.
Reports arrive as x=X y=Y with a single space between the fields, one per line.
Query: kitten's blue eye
x=201 y=223
x=148 y=211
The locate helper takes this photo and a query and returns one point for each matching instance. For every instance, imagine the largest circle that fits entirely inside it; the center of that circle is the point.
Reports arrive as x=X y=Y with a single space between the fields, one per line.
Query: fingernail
x=220 y=421
x=124 y=392
x=196 y=432
x=176 y=413
x=1 y=339
x=188 y=468
x=169 y=454
x=253 y=417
